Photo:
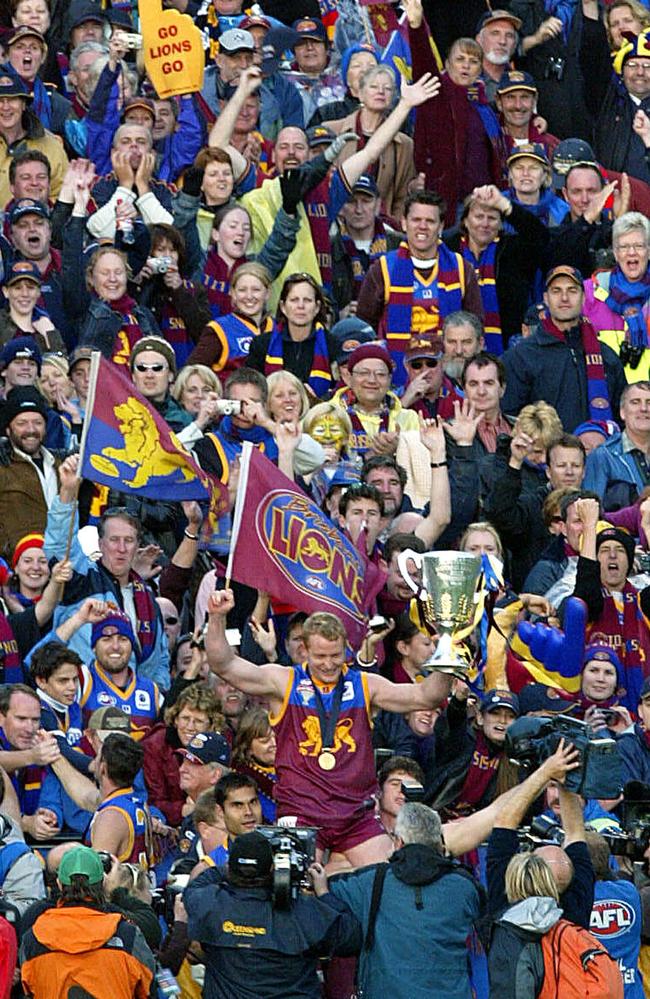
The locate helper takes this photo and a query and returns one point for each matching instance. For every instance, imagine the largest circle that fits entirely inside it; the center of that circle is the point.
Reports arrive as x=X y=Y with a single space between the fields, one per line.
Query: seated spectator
x=601 y=678
x=616 y=301
x=30 y=570
x=217 y=187
x=75 y=942
x=562 y=362
x=617 y=470
x=300 y=343
x=195 y=711
x=253 y=753
x=287 y=401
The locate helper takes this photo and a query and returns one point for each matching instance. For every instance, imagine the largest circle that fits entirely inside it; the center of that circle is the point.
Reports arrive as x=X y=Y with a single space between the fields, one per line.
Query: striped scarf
x=378 y=246
x=626 y=630
x=11 y=669
x=145 y=610
x=485 y=267
x=398 y=273
x=320 y=376
x=597 y=391
x=216 y=279
x=628 y=299
x=129 y=332
x=174 y=330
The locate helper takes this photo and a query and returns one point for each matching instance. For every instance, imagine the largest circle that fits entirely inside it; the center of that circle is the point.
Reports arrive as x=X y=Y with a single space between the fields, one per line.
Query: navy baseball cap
x=28 y=206
x=207 y=747
x=516 y=79
x=11 y=87
x=539 y=697
x=495 y=699
x=349 y=334
x=570 y=153
x=309 y=27
x=366 y=184
x=23 y=348
x=319 y=135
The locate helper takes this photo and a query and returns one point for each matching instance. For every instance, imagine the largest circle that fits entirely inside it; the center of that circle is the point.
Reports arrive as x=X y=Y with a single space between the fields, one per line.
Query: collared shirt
x=47 y=477
x=641 y=459
x=488 y=432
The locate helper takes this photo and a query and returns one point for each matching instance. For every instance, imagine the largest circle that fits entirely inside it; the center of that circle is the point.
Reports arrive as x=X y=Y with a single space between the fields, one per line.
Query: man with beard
x=462 y=337
x=618 y=613
x=28 y=481
x=429 y=391
x=497 y=36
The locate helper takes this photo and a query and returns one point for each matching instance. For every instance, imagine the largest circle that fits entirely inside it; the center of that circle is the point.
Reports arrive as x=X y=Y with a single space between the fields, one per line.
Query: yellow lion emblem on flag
x=313 y=744
x=143 y=450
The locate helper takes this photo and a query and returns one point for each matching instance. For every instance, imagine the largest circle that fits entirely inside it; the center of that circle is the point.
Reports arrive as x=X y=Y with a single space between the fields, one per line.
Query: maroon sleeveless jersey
x=304 y=788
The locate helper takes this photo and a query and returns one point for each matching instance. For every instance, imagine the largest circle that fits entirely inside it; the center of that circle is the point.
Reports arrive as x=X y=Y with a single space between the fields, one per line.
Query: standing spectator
x=497 y=35
x=618 y=470
x=20 y=127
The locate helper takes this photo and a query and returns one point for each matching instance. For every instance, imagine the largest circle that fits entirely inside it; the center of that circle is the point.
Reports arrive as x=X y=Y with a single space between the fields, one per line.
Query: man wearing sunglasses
x=428 y=389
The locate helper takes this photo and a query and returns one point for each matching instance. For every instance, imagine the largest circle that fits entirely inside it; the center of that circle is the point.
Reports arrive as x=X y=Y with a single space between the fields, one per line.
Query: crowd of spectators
x=404 y=251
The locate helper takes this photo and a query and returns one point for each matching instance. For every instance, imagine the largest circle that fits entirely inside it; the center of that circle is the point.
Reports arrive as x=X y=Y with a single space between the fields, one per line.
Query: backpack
x=577 y=967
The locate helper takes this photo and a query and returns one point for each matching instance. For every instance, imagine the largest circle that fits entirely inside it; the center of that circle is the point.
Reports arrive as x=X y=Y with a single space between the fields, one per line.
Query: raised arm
x=404 y=697
x=411 y=97
x=83 y=791
x=433 y=437
x=261 y=681
x=512 y=812
x=221 y=132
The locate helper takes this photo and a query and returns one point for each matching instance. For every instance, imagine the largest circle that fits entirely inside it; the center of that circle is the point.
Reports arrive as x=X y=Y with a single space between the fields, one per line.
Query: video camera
x=294 y=850
x=530 y=741
x=635 y=819
x=163 y=899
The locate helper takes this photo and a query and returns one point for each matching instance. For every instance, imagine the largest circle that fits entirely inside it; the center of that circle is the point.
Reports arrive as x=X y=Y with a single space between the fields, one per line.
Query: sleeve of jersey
x=339 y=194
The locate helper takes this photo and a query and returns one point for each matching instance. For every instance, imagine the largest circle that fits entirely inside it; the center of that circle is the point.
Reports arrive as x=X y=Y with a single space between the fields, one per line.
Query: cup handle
x=402 y=560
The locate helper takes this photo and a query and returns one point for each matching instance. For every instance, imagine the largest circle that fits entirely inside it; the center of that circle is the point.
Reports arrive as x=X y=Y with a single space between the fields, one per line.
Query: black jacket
x=518 y=257
x=543 y=367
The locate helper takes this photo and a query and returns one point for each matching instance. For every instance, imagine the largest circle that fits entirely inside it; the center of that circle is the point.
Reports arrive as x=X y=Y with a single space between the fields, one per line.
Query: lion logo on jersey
x=313 y=744
x=142 y=451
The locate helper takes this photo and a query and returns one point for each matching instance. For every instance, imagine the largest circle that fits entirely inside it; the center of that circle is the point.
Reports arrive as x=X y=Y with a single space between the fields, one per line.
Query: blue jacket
x=616 y=922
x=426 y=911
x=91 y=579
x=102 y=325
x=277 y=960
x=613 y=474
x=635 y=756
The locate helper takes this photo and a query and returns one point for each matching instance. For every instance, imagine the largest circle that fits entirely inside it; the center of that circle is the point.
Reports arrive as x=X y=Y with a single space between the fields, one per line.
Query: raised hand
x=122 y=168
x=463 y=427
x=432 y=436
x=220 y=603
x=422 y=90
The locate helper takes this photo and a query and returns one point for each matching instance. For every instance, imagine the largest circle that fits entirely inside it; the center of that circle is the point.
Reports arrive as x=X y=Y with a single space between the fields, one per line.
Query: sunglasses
x=150 y=367
x=171 y=620
x=423 y=362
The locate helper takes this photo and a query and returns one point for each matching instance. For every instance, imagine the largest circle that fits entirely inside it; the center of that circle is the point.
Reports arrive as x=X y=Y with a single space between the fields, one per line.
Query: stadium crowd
x=402 y=252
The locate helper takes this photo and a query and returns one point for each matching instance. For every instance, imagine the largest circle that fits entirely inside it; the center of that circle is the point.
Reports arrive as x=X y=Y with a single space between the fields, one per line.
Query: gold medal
x=327 y=760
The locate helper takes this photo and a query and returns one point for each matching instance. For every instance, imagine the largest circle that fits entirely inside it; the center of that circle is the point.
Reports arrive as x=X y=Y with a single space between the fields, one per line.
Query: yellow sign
x=173 y=49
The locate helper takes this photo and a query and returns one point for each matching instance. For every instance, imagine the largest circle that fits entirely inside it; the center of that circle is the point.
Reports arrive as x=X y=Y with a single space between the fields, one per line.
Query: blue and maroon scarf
x=398 y=272
x=626 y=630
x=27 y=781
x=485 y=267
x=597 y=392
x=11 y=668
x=627 y=299
x=145 y=609
x=174 y=330
x=320 y=376
x=216 y=278
x=378 y=246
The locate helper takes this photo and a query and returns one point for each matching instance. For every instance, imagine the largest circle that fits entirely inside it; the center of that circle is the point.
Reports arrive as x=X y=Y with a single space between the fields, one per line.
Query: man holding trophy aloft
x=322 y=711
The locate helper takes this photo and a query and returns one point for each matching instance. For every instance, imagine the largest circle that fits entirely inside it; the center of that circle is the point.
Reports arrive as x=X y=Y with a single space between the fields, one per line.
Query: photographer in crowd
x=252 y=948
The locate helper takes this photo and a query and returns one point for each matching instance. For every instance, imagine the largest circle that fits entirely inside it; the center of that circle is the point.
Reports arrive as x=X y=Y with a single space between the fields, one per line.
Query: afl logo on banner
x=610 y=917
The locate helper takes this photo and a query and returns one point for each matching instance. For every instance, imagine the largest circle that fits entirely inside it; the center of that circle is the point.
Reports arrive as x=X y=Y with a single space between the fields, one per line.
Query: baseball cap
x=10 y=87
x=570 y=153
x=370 y=351
x=498 y=15
x=80 y=13
x=424 y=345
x=116 y=620
x=251 y=856
x=516 y=79
x=207 y=747
x=319 y=135
x=494 y=699
x=28 y=206
x=80 y=354
x=254 y=21
x=539 y=697
x=80 y=860
x=365 y=184
x=563 y=270
x=25 y=31
x=109 y=719
x=309 y=27
x=533 y=150
x=236 y=40
x=23 y=270
x=139 y=102
x=157 y=344
x=349 y=334
x=21 y=347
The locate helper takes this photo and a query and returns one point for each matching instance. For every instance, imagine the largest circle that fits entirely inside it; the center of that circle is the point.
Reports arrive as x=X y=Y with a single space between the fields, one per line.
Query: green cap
x=80 y=860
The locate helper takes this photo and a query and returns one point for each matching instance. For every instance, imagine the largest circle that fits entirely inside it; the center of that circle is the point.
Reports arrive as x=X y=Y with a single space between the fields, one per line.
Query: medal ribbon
x=328 y=719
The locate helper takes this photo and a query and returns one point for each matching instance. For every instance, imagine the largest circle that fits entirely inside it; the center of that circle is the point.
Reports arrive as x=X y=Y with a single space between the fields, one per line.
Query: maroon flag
x=283 y=543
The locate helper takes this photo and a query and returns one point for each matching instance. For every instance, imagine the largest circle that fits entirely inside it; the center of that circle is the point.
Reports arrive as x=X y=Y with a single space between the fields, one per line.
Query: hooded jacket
x=438 y=901
x=79 y=945
x=516 y=962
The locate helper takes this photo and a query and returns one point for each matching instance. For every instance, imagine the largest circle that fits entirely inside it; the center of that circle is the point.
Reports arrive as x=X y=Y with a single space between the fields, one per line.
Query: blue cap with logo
x=495 y=699
x=207 y=747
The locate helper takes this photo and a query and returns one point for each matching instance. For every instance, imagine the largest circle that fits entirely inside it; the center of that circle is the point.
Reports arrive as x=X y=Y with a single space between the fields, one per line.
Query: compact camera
x=229 y=407
x=159 y=265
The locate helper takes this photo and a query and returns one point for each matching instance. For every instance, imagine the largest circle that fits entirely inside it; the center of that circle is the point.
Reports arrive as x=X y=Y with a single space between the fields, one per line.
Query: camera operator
x=570 y=864
x=416 y=911
x=253 y=949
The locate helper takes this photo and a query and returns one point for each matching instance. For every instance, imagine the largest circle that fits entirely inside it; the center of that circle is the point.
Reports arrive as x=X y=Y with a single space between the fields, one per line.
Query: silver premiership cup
x=447 y=599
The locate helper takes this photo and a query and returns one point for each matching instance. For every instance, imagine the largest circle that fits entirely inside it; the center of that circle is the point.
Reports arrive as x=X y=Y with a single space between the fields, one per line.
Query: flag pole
x=242 y=485
x=90 y=400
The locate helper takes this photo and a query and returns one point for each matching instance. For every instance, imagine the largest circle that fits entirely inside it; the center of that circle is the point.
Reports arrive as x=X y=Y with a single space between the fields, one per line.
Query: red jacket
x=161 y=771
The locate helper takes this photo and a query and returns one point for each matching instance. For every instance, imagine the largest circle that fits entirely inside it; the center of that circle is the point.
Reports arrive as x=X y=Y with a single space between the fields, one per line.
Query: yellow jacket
x=50 y=145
